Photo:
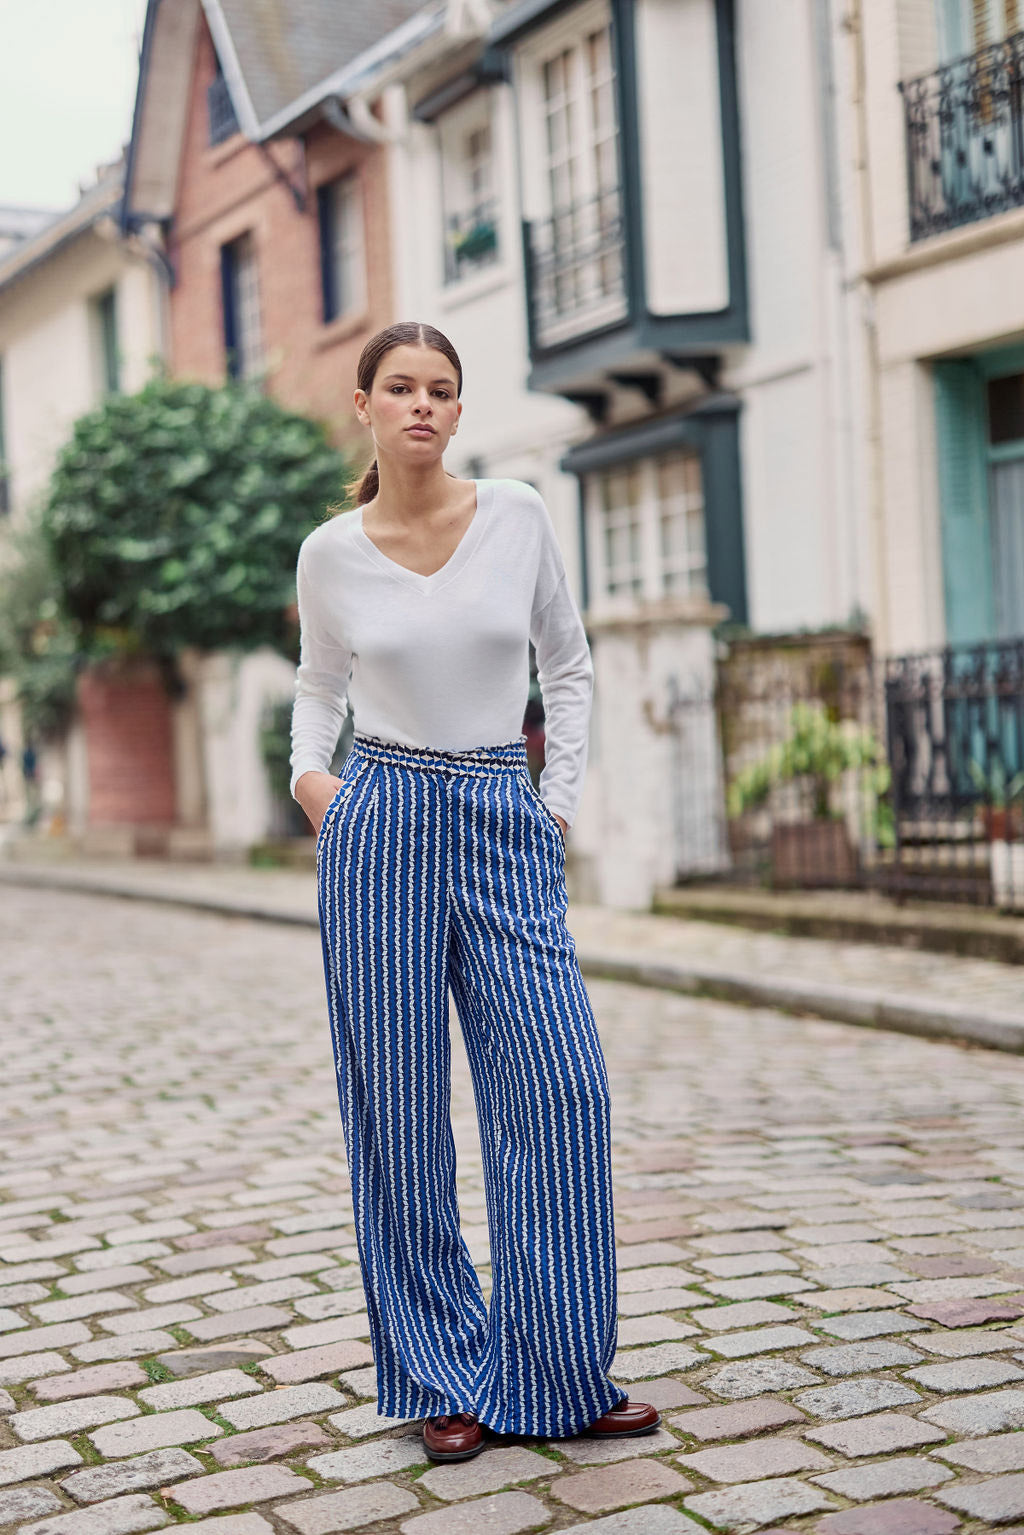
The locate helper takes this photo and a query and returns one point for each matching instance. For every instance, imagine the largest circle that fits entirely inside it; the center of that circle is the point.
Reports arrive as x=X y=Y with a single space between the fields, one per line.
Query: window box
x=479 y=240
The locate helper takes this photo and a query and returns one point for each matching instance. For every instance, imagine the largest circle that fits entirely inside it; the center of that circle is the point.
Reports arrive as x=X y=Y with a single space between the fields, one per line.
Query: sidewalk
x=938 y=995
x=857 y=916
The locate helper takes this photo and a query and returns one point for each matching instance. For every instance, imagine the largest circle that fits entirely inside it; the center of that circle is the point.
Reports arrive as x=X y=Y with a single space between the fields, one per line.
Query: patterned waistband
x=507 y=754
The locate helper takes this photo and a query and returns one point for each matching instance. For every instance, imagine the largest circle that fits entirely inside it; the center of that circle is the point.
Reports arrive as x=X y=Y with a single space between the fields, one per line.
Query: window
x=1006 y=500
x=681 y=524
x=243 y=340
x=577 y=251
x=468 y=192
x=621 y=526
x=5 y=483
x=581 y=126
x=109 y=361
x=965 y=26
x=1006 y=409
x=645 y=524
x=342 y=253
x=220 y=111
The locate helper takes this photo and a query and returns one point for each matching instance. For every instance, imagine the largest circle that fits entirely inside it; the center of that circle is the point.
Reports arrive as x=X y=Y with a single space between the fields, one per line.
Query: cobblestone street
x=821 y=1260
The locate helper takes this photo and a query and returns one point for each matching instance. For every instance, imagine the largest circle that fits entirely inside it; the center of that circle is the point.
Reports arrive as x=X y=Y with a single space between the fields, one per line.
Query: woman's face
x=413 y=406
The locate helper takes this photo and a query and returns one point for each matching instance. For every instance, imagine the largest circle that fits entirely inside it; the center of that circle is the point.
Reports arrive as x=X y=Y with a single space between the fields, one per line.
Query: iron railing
x=955 y=730
x=808 y=764
x=576 y=268
x=965 y=138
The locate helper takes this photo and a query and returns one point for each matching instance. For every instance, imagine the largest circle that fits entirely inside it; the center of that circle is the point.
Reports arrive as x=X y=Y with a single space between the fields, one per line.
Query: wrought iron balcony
x=965 y=138
x=220 y=111
x=471 y=240
x=576 y=269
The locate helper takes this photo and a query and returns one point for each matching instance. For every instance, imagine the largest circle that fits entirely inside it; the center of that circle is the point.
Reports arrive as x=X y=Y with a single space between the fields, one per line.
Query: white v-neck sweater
x=442 y=660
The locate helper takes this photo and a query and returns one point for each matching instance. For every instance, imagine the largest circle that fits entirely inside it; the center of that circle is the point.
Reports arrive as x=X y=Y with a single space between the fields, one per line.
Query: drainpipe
x=154 y=253
x=878 y=522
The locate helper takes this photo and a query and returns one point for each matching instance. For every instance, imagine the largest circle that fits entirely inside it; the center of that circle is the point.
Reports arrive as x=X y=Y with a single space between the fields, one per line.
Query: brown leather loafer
x=453 y=1436
x=624 y=1420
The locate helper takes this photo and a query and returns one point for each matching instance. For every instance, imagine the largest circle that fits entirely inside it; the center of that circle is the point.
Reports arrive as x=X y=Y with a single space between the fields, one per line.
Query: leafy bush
x=818 y=750
x=175 y=515
x=40 y=647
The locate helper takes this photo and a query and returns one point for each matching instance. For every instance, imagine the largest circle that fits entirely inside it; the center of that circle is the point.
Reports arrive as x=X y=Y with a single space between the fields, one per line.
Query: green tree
x=40 y=647
x=174 y=517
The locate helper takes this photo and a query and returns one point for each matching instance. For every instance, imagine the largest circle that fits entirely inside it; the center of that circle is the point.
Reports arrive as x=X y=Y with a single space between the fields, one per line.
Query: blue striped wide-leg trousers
x=438 y=869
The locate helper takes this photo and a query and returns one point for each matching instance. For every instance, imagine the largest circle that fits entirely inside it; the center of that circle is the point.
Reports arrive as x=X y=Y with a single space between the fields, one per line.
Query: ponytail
x=357 y=492
x=368 y=486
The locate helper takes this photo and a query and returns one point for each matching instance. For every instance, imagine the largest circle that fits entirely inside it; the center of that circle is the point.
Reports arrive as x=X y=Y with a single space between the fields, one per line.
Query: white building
x=81 y=314
x=625 y=213
x=942 y=128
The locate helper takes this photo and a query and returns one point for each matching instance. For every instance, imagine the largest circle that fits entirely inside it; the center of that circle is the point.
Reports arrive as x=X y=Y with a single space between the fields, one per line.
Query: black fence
x=965 y=138
x=955 y=730
x=811 y=766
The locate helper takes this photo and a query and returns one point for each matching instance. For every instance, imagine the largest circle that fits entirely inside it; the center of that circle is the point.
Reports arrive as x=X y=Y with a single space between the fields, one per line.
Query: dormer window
x=220 y=109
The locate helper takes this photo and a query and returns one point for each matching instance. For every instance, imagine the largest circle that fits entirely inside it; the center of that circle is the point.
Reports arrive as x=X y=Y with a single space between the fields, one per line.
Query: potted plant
x=818 y=752
x=1000 y=809
x=1001 y=814
x=479 y=240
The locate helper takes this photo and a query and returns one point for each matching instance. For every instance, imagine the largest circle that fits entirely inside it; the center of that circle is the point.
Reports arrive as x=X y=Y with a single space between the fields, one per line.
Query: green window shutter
x=963 y=499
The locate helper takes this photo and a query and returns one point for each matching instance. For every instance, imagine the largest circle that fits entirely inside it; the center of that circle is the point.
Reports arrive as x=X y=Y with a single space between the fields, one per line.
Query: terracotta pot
x=1002 y=823
x=813 y=853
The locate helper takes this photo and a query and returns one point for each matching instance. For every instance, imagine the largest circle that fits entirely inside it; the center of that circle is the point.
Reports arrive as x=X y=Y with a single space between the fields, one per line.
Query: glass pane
x=248 y=338
x=1006 y=408
x=681 y=525
x=349 y=271
x=620 y=505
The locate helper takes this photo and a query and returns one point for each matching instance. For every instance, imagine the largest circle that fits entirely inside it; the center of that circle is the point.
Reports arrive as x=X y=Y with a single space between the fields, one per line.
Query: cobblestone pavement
x=943 y=980
x=821 y=1240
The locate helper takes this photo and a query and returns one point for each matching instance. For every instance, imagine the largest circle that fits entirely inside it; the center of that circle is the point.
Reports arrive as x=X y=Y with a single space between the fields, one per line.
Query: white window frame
x=347 y=245
x=654 y=579
x=460 y=198
x=570 y=35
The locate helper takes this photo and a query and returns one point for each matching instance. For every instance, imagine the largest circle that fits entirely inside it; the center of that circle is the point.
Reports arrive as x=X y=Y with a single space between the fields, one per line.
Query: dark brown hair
x=404 y=333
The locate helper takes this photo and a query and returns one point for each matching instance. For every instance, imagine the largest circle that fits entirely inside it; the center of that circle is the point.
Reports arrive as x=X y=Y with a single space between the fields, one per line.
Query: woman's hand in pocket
x=314 y=792
x=561 y=823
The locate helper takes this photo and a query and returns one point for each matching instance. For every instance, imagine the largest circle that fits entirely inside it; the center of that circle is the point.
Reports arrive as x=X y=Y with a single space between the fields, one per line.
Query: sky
x=68 y=70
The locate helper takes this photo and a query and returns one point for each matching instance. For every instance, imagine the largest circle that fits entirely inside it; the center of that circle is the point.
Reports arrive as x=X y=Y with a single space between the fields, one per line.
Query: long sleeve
x=321 y=687
x=565 y=671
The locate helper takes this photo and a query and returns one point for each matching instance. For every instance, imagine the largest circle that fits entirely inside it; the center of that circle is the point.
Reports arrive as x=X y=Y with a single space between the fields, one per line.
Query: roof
x=283 y=48
x=280 y=58
x=96 y=202
x=22 y=223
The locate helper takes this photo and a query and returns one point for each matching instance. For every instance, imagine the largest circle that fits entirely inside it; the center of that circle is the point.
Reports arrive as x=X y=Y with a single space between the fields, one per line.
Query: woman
x=439 y=864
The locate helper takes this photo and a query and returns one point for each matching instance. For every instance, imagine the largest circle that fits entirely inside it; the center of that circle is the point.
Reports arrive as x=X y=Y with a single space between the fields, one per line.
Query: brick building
x=274 y=212
x=269 y=204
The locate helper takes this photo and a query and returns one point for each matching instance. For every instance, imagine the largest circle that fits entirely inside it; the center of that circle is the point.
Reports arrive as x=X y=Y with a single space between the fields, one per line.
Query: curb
x=838 y=1004
x=40 y=879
